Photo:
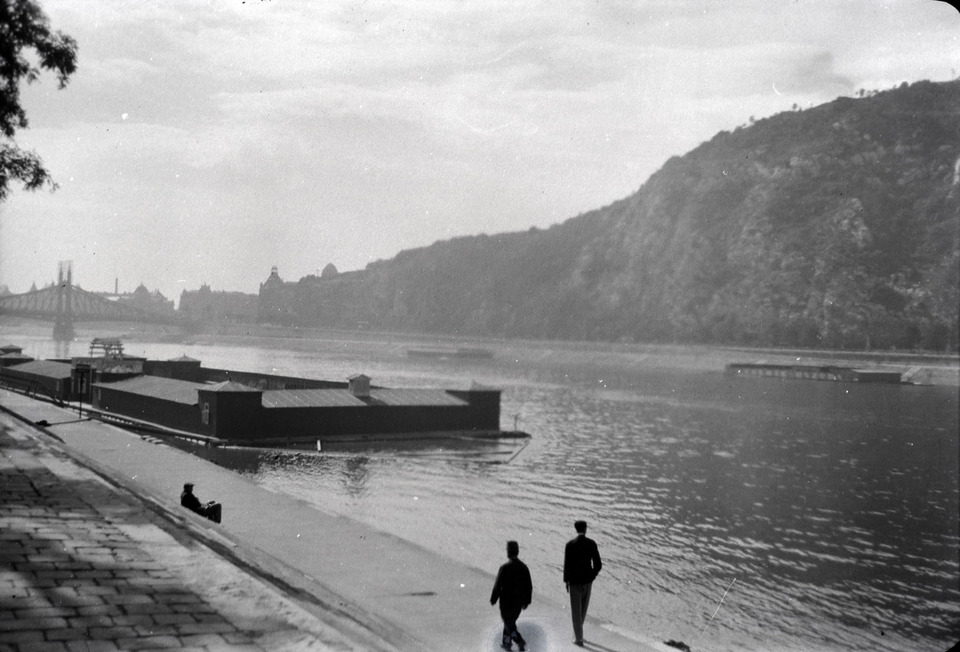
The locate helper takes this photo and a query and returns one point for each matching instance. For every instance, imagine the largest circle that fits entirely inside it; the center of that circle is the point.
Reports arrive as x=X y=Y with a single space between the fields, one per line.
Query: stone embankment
x=97 y=554
x=84 y=566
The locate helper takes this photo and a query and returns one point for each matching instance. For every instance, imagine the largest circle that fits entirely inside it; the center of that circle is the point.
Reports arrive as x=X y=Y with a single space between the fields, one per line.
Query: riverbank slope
x=368 y=586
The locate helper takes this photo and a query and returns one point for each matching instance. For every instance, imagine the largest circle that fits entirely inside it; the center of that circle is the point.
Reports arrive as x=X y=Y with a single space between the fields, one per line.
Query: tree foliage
x=27 y=47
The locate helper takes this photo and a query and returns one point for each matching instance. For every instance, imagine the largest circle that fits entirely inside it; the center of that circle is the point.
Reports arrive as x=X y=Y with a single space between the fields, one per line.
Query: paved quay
x=83 y=566
x=103 y=557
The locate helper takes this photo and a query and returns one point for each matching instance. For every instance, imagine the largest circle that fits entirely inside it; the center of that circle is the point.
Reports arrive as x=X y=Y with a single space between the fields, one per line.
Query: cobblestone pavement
x=83 y=566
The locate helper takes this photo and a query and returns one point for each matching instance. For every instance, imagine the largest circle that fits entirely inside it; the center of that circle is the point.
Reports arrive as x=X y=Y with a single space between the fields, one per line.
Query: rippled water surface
x=732 y=514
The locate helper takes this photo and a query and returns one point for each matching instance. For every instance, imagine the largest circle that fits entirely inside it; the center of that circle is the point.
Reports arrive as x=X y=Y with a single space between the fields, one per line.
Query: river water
x=731 y=513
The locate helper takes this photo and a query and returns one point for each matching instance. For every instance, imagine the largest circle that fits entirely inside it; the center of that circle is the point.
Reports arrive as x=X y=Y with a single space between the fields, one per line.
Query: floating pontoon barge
x=813 y=372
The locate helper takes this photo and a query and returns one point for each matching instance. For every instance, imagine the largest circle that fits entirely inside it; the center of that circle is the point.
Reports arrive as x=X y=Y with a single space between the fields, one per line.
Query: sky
x=204 y=142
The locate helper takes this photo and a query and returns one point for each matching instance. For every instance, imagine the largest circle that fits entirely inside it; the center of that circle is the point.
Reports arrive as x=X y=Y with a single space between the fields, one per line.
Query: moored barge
x=220 y=406
x=814 y=372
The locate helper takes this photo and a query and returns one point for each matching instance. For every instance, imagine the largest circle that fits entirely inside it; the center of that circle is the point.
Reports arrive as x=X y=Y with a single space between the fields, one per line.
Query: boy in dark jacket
x=188 y=499
x=514 y=589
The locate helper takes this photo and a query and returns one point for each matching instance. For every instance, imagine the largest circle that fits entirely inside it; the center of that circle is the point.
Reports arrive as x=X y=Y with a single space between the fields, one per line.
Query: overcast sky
x=204 y=142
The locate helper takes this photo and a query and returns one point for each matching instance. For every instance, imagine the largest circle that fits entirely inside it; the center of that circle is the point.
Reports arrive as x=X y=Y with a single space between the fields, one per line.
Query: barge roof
x=286 y=398
x=46 y=368
x=415 y=397
x=168 y=389
x=182 y=391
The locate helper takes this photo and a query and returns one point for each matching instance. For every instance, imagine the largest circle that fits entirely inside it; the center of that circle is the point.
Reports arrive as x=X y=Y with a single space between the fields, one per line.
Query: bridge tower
x=63 y=322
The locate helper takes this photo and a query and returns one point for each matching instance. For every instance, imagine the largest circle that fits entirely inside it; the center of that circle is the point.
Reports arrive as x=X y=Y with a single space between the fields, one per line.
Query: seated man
x=209 y=510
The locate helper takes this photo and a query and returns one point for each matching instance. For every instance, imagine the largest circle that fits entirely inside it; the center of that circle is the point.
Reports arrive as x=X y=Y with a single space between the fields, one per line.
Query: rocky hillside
x=837 y=226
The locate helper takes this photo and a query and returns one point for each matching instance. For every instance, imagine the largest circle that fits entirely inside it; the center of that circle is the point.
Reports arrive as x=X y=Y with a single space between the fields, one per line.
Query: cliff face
x=836 y=226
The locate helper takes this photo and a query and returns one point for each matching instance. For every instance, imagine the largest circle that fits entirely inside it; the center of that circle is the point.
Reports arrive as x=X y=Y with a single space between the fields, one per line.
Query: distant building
x=141 y=298
x=277 y=300
x=328 y=300
x=206 y=305
x=144 y=299
x=329 y=272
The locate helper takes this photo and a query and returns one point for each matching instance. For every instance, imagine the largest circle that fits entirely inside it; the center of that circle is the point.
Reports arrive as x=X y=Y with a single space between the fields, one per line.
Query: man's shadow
x=537 y=639
x=587 y=645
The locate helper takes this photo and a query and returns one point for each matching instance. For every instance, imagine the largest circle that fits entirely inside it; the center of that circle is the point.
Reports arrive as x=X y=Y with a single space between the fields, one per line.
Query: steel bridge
x=65 y=304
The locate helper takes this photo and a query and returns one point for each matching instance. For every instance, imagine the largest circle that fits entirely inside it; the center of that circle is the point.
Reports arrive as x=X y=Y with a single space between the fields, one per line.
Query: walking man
x=581 y=565
x=514 y=590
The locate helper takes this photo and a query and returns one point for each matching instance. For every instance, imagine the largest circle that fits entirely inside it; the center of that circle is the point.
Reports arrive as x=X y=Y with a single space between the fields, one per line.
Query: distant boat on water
x=814 y=372
x=460 y=352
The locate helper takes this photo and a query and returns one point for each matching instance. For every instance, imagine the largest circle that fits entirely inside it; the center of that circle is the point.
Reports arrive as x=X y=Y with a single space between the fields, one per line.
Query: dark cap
x=580 y=526
x=513 y=548
x=188 y=485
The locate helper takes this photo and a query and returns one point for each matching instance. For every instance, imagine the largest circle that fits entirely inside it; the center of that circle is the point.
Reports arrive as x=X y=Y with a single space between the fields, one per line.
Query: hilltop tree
x=27 y=47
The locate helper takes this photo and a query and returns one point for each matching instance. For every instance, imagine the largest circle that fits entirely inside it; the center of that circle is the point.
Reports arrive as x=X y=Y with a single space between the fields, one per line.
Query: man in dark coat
x=581 y=565
x=514 y=589
x=188 y=499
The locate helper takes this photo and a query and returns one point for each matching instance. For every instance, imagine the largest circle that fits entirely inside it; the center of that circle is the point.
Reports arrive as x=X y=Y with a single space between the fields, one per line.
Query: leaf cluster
x=27 y=47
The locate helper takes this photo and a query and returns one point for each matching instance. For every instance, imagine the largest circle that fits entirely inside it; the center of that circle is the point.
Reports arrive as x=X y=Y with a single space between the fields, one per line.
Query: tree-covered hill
x=837 y=226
